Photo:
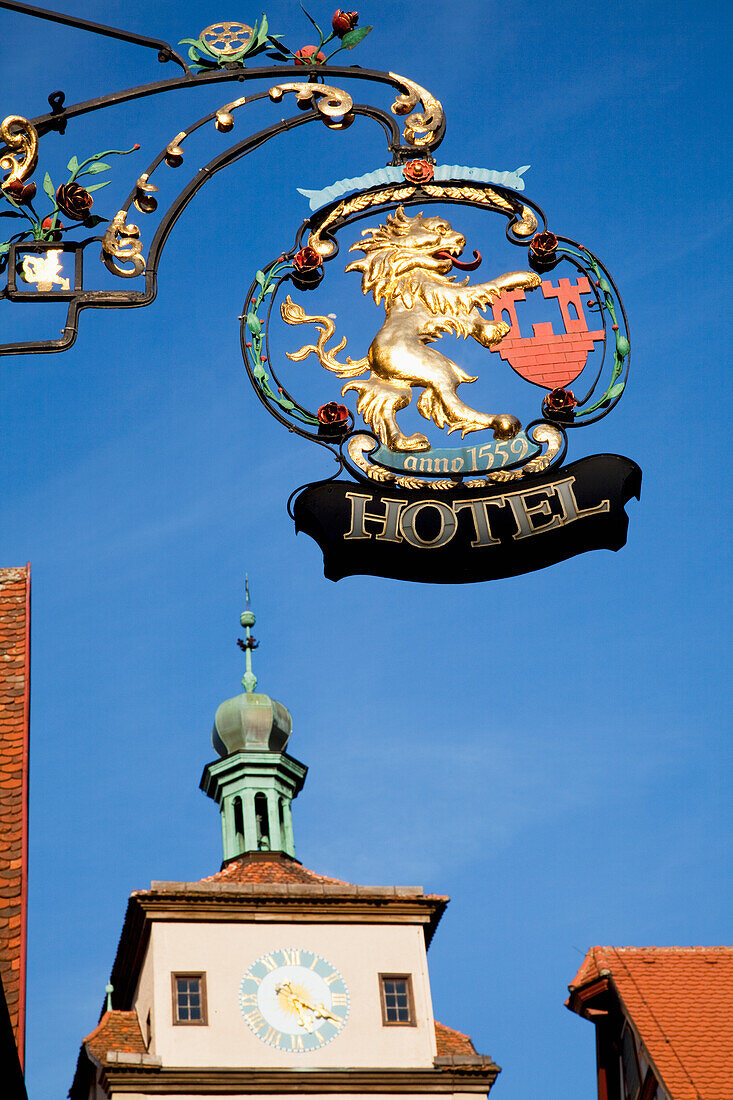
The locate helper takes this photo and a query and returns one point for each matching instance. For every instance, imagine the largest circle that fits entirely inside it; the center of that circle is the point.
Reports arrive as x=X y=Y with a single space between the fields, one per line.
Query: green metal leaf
x=615 y=391
x=254 y=324
x=73 y=165
x=48 y=187
x=93 y=169
x=353 y=38
x=605 y=286
x=96 y=186
x=622 y=347
x=4 y=248
x=260 y=278
x=191 y=42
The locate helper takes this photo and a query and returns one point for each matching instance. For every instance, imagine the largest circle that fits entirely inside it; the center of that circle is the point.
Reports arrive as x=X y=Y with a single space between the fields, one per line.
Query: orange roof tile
x=14 y=732
x=452 y=1042
x=118 y=1031
x=680 y=1002
x=277 y=869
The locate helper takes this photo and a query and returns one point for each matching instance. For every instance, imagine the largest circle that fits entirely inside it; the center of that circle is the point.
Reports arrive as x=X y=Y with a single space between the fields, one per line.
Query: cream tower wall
x=224 y=951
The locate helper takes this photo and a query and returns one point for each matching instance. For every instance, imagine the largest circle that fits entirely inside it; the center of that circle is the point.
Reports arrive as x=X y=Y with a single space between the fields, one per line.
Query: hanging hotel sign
x=500 y=503
x=444 y=486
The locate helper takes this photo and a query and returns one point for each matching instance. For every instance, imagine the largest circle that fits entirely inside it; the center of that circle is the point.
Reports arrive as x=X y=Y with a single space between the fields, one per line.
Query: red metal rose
x=307 y=259
x=559 y=404
x=332 y=413
x=418 y=171
x=344 y=21
x=309 y=55
x=74 y=200
x=543 y=251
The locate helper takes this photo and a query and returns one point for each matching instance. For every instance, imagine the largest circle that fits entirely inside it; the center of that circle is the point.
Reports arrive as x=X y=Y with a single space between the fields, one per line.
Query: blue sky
x=549 y=750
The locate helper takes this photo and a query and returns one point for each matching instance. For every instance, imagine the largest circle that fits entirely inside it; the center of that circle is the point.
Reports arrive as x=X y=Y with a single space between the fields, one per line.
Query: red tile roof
x=452 y=1042
x=254 y=868
x=680 y=1002
x=118 y=1031
x=14 y=731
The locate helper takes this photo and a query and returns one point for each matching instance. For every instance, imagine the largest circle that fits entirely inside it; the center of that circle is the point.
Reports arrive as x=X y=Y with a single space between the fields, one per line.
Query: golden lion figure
x=406 y=265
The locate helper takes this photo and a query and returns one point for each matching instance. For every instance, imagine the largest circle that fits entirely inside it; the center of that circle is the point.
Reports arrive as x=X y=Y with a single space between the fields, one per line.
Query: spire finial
x=248 y=643
x=109 y=990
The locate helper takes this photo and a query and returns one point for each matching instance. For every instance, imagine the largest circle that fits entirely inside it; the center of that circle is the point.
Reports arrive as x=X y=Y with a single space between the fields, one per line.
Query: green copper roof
x=255 y=780
x=252 y=721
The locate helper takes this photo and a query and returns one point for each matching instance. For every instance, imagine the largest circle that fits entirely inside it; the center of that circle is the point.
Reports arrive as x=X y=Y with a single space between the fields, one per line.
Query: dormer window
x=189 y=998
x=398 y=1007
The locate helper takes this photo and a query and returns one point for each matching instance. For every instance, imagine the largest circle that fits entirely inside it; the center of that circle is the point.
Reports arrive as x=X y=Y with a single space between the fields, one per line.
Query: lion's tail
x=294 y=314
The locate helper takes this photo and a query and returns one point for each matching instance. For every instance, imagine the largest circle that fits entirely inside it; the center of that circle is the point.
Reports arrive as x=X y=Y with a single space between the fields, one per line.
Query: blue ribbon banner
x=459 y=460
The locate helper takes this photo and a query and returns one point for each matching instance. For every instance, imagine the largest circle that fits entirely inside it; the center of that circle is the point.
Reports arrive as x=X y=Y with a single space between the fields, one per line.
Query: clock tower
x=266 y=978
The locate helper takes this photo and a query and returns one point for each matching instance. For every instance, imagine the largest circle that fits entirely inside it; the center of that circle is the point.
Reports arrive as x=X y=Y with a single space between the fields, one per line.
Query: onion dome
x=250 y=721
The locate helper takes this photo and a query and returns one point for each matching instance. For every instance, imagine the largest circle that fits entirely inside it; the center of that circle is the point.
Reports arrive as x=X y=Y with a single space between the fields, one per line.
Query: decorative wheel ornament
x=410 y=265
x=226 y=39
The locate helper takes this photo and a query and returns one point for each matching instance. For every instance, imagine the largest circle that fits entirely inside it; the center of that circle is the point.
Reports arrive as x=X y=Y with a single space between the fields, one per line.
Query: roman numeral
x=291 y=956
x=339 y=999
x=272 y=1036
x=318 y=1036
x=249 y=998
x=296 y=1042
x=255 y=1019
x=269 y=962
x=331 y=979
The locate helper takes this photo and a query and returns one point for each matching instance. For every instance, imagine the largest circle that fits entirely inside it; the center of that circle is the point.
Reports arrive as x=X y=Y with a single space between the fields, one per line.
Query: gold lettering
x=425 y=464
x=339 y=999
x=269 y=962
x=331 y=979
x=448 y=524
x=296 y=1043
x=564 y=490
x=480 y=513
x=410 y=462
x=523 y=512
x=456 y=465
x=249 y=998
x=388 y=522
x=291 y=955
x=272 y=1036
x=255 y=1019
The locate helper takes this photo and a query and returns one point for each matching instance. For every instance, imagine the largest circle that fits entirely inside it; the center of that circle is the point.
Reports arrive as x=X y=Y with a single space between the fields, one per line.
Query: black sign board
x=465 y=535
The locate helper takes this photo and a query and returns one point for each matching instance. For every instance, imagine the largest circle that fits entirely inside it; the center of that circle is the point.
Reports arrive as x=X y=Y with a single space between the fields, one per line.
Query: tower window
x=189 y=998
x=398 y=1006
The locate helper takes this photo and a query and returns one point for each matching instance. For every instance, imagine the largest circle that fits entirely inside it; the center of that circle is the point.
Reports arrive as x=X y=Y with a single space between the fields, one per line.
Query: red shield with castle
x=547 y=358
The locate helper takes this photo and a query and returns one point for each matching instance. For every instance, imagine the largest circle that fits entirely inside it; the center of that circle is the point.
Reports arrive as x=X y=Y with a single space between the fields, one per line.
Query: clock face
x=294 y=1000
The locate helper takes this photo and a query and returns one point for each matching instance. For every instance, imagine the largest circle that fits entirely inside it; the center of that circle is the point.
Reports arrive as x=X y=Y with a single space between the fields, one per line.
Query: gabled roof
x=14 y=735
x=679 y=1000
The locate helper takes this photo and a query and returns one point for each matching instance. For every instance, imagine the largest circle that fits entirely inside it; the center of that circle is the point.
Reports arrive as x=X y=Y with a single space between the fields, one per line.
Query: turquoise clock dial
x=294 y=1000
